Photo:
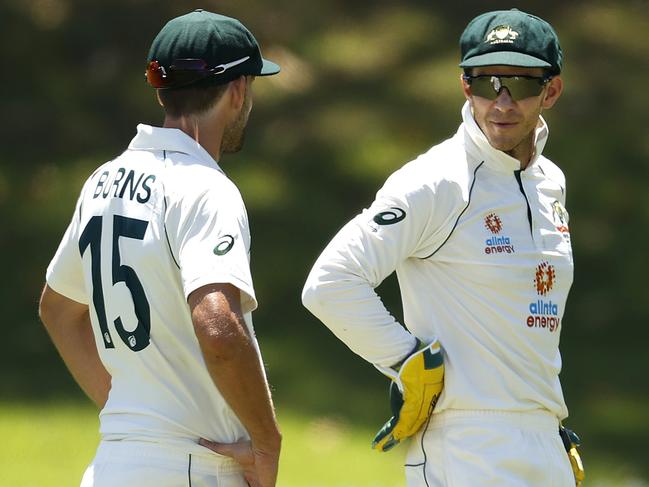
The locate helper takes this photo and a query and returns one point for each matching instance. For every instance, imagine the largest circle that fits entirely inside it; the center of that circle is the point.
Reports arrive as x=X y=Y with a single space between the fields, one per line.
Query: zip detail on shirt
x=517 y=174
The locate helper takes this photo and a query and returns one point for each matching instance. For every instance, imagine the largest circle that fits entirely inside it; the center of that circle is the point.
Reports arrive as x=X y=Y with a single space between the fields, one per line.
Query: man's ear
x=237 y=91
x=465 y=87
x=552 y=92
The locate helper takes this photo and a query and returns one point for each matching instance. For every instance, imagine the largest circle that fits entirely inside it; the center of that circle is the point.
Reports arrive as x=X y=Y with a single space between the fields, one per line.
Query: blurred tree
x=365 y=87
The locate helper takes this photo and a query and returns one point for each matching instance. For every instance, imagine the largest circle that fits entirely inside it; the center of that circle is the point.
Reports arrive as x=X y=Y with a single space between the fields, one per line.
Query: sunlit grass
x=49 y=445
x=328 y=452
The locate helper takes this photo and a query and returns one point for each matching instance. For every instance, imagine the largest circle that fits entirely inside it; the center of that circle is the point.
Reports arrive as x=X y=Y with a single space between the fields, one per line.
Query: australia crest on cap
x=503 y=34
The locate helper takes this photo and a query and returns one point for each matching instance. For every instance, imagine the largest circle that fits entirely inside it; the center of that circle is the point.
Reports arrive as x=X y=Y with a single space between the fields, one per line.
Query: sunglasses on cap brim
x=184 y=72
x=489 y=86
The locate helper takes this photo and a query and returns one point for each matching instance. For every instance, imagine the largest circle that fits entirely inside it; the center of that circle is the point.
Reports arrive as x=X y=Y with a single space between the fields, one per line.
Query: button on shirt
x=482 y=253
x=150 y=227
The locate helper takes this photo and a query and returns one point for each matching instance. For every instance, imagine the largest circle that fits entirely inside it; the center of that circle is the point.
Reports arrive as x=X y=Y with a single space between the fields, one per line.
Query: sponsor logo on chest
x=544 y=314
x=497 y=243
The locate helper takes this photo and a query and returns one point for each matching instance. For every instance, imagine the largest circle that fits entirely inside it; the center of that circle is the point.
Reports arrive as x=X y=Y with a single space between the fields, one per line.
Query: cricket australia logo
x=544 y=314
x=503 y=34
x=560 y=217
x=496 y=244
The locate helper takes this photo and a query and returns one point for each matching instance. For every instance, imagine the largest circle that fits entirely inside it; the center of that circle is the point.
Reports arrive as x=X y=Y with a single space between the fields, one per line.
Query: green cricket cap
x=510 y=38
x=204 y=47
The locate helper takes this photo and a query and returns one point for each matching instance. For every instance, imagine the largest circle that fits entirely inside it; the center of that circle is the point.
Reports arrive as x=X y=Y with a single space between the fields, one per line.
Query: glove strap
x=570 y=442
x=393 y=371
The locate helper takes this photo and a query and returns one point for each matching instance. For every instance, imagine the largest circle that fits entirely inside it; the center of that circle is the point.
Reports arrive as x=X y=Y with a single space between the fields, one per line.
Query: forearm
x=348 y=305
x=241 y=381
x=68 y=324
x=76 y=345
x=233 y=361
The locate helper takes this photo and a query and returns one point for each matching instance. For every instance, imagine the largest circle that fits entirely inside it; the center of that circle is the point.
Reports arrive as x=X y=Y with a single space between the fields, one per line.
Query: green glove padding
x=413 y=394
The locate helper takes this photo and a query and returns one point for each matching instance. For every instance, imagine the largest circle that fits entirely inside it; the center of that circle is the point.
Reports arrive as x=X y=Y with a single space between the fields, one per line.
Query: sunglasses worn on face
x=184 y=72
x=519 y=87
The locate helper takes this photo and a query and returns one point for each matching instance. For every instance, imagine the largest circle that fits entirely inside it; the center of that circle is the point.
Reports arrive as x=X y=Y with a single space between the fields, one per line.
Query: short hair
x=191 y=100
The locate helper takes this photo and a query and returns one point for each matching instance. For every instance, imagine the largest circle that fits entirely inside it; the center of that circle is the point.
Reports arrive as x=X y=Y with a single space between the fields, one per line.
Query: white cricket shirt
x=483 y=258
x=150 y=227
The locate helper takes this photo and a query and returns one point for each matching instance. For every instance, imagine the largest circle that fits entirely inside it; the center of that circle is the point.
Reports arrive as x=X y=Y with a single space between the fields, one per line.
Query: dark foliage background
x=365 y=87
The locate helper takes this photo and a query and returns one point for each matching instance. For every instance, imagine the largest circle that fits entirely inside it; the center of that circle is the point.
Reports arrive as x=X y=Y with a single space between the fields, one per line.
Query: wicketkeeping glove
x=571 y=441
x=414 y=391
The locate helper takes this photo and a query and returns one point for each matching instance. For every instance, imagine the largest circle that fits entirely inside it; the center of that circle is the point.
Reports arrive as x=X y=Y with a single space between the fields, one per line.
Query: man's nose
x=504 y=101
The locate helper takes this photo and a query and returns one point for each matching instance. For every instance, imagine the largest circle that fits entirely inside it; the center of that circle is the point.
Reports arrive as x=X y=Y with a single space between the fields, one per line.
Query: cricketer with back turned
x=149 y=295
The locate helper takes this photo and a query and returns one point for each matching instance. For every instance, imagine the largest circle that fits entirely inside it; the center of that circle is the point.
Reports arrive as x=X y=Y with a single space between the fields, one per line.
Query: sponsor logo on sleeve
x=224 y=245
x=496 y=243
x=386 y=217
x=544 y=313
x=389 y=217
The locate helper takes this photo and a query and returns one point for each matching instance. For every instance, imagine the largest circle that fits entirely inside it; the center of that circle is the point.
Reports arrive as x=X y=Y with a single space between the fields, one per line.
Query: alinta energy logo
x=544 y=314
x=496 y=244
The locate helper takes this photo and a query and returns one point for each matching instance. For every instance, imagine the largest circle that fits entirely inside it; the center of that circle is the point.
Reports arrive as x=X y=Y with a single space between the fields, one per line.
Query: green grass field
x=49 y=445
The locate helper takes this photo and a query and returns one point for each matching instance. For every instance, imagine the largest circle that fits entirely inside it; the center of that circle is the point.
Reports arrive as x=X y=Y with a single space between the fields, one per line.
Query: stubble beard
x=235 y=133
x=233 y=138
x=524 y=150
x=511 y=146
x=519 y=147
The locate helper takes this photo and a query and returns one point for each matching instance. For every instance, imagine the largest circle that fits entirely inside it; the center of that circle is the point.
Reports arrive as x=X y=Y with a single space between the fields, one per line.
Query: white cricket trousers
x=145 y=464
x=489 y=449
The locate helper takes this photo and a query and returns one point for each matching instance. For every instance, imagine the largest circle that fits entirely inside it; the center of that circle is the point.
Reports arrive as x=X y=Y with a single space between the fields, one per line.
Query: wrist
x=418 y=346
x=270 y=441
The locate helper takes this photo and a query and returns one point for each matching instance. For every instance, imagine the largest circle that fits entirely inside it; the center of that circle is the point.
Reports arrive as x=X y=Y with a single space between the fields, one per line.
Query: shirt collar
x=495 y=157
x=171 y=140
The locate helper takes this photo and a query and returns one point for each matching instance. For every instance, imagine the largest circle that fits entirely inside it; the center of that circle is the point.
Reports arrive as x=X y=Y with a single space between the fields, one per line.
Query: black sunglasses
x=184 y=72
x=519 y=87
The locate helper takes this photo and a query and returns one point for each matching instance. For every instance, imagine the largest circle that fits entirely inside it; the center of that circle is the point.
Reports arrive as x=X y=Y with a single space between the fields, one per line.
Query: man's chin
x=501 y=144
x=233 y=146
x=233 y=149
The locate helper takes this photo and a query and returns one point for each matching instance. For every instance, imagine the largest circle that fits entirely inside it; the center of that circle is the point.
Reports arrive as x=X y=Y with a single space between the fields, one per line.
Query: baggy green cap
x=510 y=38
x=227 y=47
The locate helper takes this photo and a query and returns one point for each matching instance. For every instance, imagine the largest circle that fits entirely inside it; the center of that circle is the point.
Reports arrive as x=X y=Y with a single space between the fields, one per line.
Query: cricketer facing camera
x=149 y=295
x=477 y=231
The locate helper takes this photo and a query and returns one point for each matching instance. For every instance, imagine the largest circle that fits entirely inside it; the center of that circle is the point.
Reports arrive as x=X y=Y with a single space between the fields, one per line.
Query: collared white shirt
x=150 y=227
x=482 y=253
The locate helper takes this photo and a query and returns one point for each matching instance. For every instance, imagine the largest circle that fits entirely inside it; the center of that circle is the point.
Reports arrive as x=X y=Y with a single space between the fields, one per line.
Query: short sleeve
x=65 y=272
x=211 y=239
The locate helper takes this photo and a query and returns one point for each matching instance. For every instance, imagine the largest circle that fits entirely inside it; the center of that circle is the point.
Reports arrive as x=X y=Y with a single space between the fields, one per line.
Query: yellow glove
x=414 y=392
x=571 y=441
